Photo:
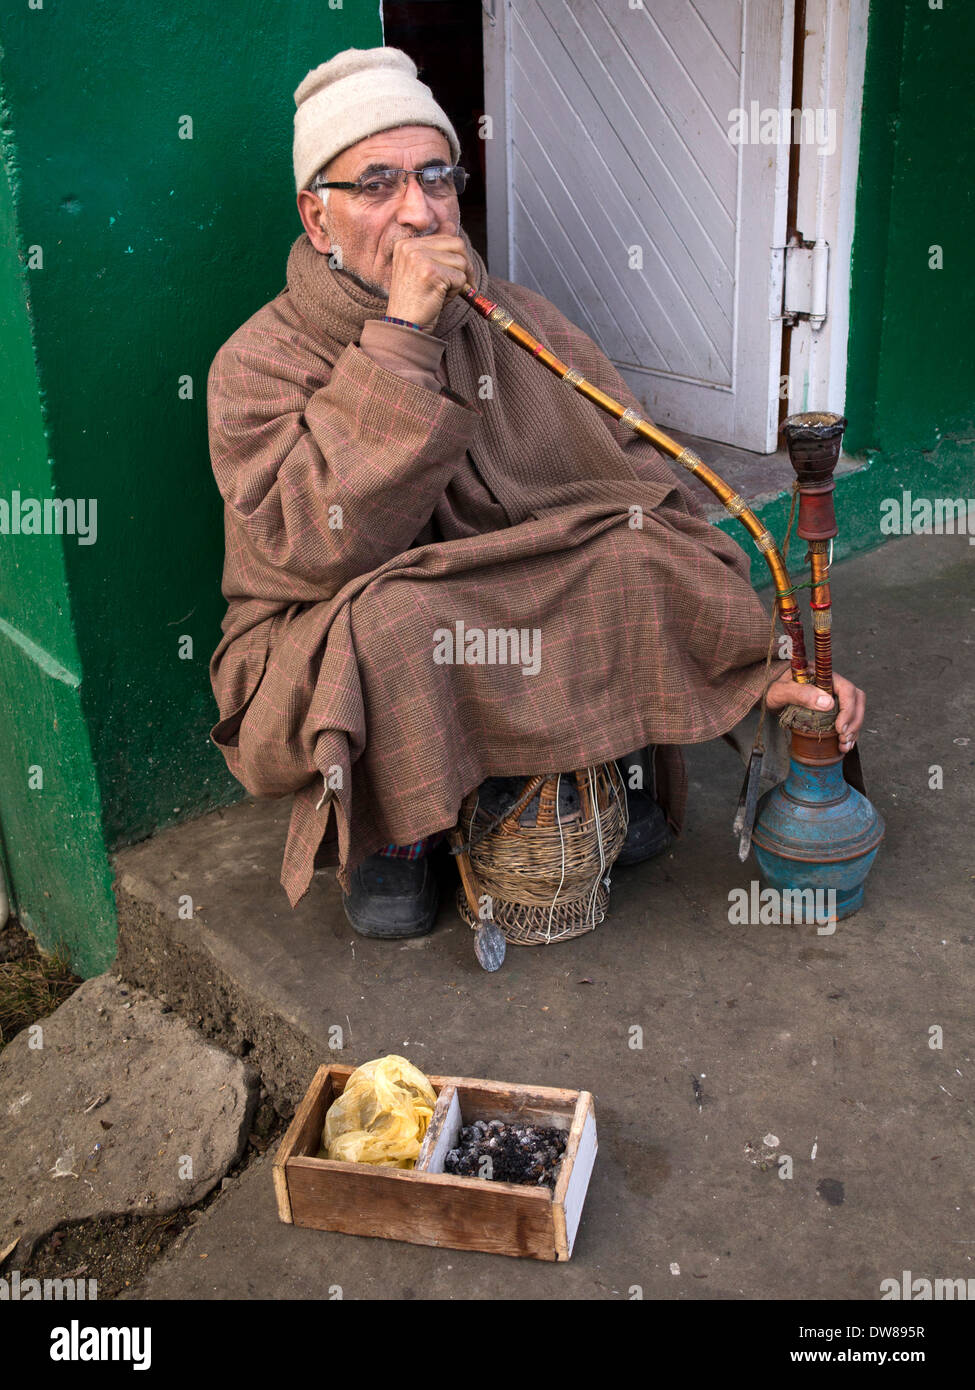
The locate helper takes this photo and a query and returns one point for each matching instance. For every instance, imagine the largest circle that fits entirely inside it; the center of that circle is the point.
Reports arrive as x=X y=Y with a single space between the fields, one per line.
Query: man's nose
x=415 y=209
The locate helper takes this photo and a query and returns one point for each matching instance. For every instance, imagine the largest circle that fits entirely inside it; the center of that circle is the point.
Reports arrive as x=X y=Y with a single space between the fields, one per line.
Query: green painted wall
x=50 y=811
x=911 y=370
x=155 y=248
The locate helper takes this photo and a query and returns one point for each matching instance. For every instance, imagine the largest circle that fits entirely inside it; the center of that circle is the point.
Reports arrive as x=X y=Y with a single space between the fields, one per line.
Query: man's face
x=366 y=233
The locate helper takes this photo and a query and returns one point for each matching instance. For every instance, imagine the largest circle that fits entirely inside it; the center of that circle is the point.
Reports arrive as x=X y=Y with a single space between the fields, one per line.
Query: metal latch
x=800 y=273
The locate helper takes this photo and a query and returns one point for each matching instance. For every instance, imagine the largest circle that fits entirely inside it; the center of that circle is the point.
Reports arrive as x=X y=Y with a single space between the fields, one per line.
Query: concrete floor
x=819 y=1041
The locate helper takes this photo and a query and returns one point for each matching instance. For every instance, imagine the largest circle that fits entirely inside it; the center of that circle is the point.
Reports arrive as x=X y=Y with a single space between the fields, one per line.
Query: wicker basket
x=544 y=857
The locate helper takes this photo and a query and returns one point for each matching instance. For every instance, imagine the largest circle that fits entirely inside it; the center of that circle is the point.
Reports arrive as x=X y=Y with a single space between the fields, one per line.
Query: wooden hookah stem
x=814 y=439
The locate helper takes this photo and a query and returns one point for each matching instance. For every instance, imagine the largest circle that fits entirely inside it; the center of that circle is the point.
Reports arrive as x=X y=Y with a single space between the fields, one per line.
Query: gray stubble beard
x=368 y=285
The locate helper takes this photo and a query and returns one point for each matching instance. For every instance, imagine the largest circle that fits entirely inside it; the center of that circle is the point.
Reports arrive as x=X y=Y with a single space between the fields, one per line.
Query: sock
x=414 y=851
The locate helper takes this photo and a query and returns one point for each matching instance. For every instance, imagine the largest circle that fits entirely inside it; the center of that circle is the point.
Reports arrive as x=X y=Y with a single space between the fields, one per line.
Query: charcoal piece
x=516 y=1153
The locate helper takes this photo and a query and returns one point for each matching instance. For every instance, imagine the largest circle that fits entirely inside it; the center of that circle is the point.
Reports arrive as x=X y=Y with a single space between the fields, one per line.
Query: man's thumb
x=812 y=697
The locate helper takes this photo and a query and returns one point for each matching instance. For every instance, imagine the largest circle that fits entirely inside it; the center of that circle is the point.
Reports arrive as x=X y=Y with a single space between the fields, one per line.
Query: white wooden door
x=616 y=189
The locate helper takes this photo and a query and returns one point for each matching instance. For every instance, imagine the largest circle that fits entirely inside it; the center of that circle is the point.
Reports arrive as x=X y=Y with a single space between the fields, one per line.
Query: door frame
x=834 y=60
x=497 y=100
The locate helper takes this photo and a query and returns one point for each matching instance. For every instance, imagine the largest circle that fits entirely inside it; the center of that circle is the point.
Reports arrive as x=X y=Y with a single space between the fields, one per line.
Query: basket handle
x=546 y=803
x=467 y=876
x=509 y=825
x=582 y=782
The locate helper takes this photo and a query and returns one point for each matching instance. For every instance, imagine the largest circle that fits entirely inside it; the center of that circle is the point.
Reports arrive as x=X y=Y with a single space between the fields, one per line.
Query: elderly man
x=402 y=487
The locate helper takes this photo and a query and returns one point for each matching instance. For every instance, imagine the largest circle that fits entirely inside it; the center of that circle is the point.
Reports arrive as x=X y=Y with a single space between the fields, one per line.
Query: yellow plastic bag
x=381 y=1116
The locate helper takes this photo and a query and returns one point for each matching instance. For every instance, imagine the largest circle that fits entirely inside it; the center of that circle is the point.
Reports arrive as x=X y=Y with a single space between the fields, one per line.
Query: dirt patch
x=115 y=1251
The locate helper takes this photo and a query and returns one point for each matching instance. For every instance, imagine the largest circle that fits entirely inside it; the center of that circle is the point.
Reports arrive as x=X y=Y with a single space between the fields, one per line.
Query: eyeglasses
x=439 y=180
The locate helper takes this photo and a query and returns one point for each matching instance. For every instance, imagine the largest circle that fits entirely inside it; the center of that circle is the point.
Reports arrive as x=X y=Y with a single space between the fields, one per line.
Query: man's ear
x=312 y=215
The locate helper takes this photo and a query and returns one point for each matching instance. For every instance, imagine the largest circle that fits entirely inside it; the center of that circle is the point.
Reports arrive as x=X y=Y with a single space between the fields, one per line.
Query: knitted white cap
x=356 y=94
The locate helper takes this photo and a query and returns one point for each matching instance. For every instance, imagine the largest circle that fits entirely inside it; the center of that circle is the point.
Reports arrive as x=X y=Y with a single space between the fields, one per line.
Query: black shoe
x=648 y=833
x=392 y=898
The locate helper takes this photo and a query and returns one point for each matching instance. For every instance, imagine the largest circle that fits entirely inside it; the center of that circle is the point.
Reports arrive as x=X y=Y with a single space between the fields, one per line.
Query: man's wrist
x=420 y=314
x=404 y=323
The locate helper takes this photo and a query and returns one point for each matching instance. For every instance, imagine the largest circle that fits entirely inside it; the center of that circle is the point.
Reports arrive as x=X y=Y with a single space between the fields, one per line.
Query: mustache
x=432 y=231
x=412 y=236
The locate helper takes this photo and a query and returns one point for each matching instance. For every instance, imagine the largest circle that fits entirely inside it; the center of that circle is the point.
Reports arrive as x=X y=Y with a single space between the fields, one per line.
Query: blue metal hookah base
x=816 y=832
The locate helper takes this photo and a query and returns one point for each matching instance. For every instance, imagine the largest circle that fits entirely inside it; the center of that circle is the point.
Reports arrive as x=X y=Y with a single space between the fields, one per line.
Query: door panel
x=615 y=190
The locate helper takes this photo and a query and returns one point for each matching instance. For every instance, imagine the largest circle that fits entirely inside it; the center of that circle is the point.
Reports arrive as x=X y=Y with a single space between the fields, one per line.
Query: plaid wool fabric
x=537 y=514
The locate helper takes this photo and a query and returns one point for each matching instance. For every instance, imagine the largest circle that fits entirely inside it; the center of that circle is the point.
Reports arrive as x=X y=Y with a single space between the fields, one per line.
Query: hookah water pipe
x=817 y=831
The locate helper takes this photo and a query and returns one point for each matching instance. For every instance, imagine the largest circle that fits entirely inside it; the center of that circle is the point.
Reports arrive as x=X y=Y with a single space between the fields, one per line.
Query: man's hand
x=427 y=271
x=853 y=702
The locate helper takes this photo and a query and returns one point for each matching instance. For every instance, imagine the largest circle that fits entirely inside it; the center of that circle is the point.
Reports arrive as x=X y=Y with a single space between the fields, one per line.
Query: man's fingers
x=850 y=721
x=431 y=246
x=453 y=268
x=786 y=691
x=852 y=707
x=809 y=696
x=456 y=260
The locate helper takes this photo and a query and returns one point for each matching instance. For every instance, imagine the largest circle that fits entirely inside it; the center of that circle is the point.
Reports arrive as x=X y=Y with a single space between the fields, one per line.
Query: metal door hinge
x=799 y=279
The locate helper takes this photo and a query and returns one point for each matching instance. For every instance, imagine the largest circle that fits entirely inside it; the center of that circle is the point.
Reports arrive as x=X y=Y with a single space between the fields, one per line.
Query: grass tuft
x=32 y=987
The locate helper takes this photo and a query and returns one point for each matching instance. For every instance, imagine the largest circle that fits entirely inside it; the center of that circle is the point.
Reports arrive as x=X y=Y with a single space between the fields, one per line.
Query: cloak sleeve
x=326 y=481
x=413 y=355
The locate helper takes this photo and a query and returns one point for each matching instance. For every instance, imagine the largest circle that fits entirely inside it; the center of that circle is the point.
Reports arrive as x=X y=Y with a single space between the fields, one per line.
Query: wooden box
x=425 y=1205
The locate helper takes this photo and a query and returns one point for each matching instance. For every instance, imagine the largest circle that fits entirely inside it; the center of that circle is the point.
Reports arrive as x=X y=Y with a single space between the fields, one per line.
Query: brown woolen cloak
x=332 y=467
